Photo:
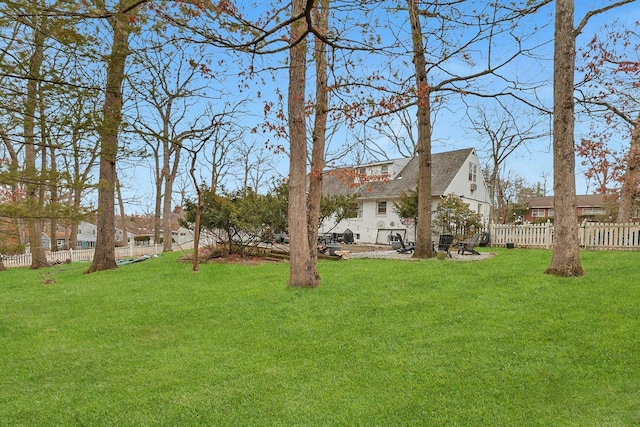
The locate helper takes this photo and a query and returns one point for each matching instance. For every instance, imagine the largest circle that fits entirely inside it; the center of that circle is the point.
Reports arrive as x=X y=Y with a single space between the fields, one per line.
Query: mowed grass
x=380 y=342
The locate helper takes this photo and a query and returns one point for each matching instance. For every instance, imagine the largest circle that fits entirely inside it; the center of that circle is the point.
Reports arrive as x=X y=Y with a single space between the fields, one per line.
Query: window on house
x=538 y=213
x=592 y=211
x=473 y=172
x=384 y=170
x=360 y=210
x=381 y=208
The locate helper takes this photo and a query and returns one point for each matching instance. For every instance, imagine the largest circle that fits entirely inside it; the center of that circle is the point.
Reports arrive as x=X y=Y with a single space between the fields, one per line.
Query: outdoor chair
x=469 y=246
x=444 y=242
x=405 y=248
x=485 y=239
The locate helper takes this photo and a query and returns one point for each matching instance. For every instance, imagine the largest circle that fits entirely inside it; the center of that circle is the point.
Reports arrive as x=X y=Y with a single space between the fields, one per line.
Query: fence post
x=547 y=234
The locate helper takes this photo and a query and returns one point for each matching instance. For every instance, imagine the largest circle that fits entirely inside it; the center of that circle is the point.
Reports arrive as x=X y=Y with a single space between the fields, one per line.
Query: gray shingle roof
x=444 y=167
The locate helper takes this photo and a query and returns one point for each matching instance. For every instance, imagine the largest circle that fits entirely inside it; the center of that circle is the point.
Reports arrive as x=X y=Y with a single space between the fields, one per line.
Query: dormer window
x=384 y=170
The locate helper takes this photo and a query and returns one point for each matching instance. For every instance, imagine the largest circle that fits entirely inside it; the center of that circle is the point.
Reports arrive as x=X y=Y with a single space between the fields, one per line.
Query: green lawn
x=381 y=342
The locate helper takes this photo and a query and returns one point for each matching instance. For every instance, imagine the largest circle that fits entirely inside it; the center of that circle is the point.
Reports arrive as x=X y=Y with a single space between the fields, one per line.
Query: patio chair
x=469 y=246
x=405 y=248
x=485 y=239
x=444 y=242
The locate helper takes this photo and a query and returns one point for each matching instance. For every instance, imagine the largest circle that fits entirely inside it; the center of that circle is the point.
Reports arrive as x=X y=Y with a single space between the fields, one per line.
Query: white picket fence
x=528 y=235
x=591 y=235
x=76 y=255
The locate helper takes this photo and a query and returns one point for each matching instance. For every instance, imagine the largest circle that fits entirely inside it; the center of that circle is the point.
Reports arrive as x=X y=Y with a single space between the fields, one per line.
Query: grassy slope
x=379 y=343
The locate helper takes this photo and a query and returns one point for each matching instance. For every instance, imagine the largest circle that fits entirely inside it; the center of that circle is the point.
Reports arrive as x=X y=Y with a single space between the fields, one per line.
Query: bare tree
x=120 y=21
x=505 y=130
x=423 y=249
x=166 y=102
x=256 y=165
x=32 y=177
x=631 y=183
x=483 y=25
x=319 y=133
x=303 y=270
x=566 y=252
x=608 y=94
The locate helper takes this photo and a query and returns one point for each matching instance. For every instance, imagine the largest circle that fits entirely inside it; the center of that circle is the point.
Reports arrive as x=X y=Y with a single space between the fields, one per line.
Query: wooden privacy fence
x=75 y=255
x=591 y=235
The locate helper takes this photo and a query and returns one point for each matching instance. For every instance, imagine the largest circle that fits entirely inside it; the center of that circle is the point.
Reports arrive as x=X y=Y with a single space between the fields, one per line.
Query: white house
x=182 y=235
x=87 y=235
x=379 y=185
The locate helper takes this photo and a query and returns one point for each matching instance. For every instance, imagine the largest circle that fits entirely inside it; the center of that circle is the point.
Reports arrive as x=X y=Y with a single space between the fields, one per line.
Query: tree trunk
x=53 y=185
x=122 y=223
x=169 y=179
x=32 y=178
x=104 y=257
x=13 y=170
x=302 y=268
x=196 y=233
x=319 y=131
x=565 y=261
x=157 y=212
x=196 y=237
x=629 y=190
x=77 y=197
x=424 y=247
x=73 y=235
x=167 y=237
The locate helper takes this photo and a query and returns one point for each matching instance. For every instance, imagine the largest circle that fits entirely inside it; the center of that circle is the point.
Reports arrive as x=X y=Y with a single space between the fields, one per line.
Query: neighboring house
x=87 y=234
x=120 y=239
x=380 y=185
x=61 y=240
x=144 y=236
x=182 y=235
x=46 y=241
x=589 y=207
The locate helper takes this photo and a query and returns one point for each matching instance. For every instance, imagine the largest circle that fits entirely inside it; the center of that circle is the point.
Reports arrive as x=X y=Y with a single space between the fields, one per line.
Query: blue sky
x=452 y=128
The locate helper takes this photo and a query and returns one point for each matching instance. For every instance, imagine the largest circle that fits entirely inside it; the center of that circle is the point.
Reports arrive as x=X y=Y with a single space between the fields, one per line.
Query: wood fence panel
x=605 y=236
x=592 y=235
x=527 y=235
